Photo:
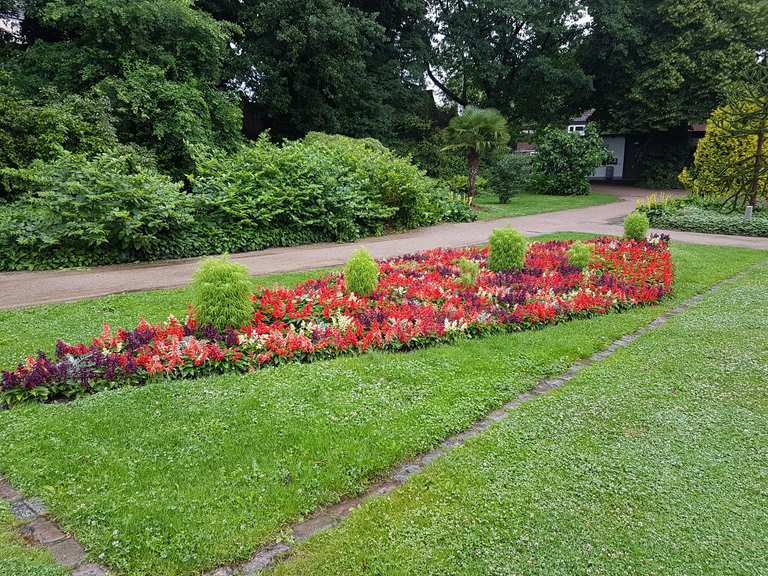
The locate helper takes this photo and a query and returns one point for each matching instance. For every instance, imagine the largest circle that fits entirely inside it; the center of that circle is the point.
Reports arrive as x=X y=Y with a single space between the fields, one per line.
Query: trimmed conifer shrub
x=579 y=254
x=507 y=250
x=636 y=226
x=221 y=293
x=361 y=273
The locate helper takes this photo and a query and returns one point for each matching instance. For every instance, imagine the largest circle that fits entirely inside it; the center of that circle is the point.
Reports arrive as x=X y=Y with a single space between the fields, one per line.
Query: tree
x=564 y=161
x=477 y=132
x=513 y=55
x=344 y=67
x=158 y=62
x=731 y=161
x=660 y=64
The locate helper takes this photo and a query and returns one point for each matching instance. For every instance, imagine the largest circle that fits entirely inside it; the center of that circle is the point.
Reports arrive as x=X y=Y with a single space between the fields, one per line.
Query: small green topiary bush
x=636 y=226
x=361 y=274
x=579 y=254
x=507 y=250
x=469 y=271
x=221 y=293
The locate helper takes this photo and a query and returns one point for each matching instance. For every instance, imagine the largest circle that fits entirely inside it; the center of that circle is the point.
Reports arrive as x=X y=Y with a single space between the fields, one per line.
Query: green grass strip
x=487 y=206
x=651 y=462
x=178 y=477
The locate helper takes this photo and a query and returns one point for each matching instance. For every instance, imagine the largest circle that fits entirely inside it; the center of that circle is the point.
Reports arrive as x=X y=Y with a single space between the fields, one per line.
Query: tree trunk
x=473 y=162
x=755 y=184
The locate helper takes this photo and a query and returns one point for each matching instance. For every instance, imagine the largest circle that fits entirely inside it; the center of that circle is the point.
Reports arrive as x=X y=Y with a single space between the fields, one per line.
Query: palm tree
x=477 y=132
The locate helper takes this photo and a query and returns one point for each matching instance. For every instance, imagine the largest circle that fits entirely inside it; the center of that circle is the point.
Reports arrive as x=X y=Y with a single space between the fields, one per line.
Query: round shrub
x=636 y=226
x=469 y=270
x=361 y=274
x=579 y=254
x=507 y=250
x=221 y=293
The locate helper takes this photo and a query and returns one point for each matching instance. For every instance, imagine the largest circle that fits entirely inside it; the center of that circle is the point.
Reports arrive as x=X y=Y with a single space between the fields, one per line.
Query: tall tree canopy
x=658 y=64
x=326 y=65
x=159 y=63
x=513 y=55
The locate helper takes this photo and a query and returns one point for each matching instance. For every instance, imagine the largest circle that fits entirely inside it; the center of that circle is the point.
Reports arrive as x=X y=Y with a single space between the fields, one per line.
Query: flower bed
x=419 y=301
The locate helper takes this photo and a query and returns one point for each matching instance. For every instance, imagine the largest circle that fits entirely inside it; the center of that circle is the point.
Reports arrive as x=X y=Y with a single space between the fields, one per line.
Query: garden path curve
x=28 y=288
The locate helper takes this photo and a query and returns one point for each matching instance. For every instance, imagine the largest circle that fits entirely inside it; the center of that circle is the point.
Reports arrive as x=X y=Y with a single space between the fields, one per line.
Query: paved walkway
x=28 y=288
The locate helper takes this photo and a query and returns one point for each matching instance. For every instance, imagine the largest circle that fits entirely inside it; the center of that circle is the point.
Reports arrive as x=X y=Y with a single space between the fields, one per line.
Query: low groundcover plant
x=419 y=300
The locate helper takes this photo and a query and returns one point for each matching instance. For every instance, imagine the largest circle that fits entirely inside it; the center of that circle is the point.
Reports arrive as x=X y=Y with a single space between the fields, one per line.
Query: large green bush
x=361 y=273
x=76 y=211
x=507 y=250
x=563 y=161
x=221 y=293
x=322 y=188
x=40 y=128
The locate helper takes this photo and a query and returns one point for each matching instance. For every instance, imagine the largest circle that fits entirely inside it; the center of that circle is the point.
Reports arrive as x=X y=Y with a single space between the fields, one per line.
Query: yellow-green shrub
x=579 y=254
x=636 y=226
x=507 y=250
x=468 y=272
x=361 y=273
x=221 y=293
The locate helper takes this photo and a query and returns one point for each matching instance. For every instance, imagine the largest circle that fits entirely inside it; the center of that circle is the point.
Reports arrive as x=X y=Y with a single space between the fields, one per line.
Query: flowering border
x=419 y=301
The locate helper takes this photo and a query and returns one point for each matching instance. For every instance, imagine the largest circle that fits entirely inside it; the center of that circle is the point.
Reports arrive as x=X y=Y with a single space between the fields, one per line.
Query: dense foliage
x=361 y=273
x=517 y=57
x=660 y=64
x=319 y=319
x=80 y=211
x=564 y=161
x=221 y=291
x=77 y=211
x=158 y=65
x=322 y=188
x=506 y=250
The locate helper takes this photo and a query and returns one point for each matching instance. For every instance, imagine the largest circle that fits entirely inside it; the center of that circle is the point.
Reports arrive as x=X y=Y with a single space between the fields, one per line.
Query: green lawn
x=651 y=462
x=177 y=477
x=488 y=208
x=18 y=559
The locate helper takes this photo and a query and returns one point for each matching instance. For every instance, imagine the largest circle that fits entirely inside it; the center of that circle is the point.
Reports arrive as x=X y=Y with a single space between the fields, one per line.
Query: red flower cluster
x=419 y=301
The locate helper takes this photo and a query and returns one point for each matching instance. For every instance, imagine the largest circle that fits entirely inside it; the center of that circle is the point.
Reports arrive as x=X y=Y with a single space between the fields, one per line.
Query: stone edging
x=37 y=528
